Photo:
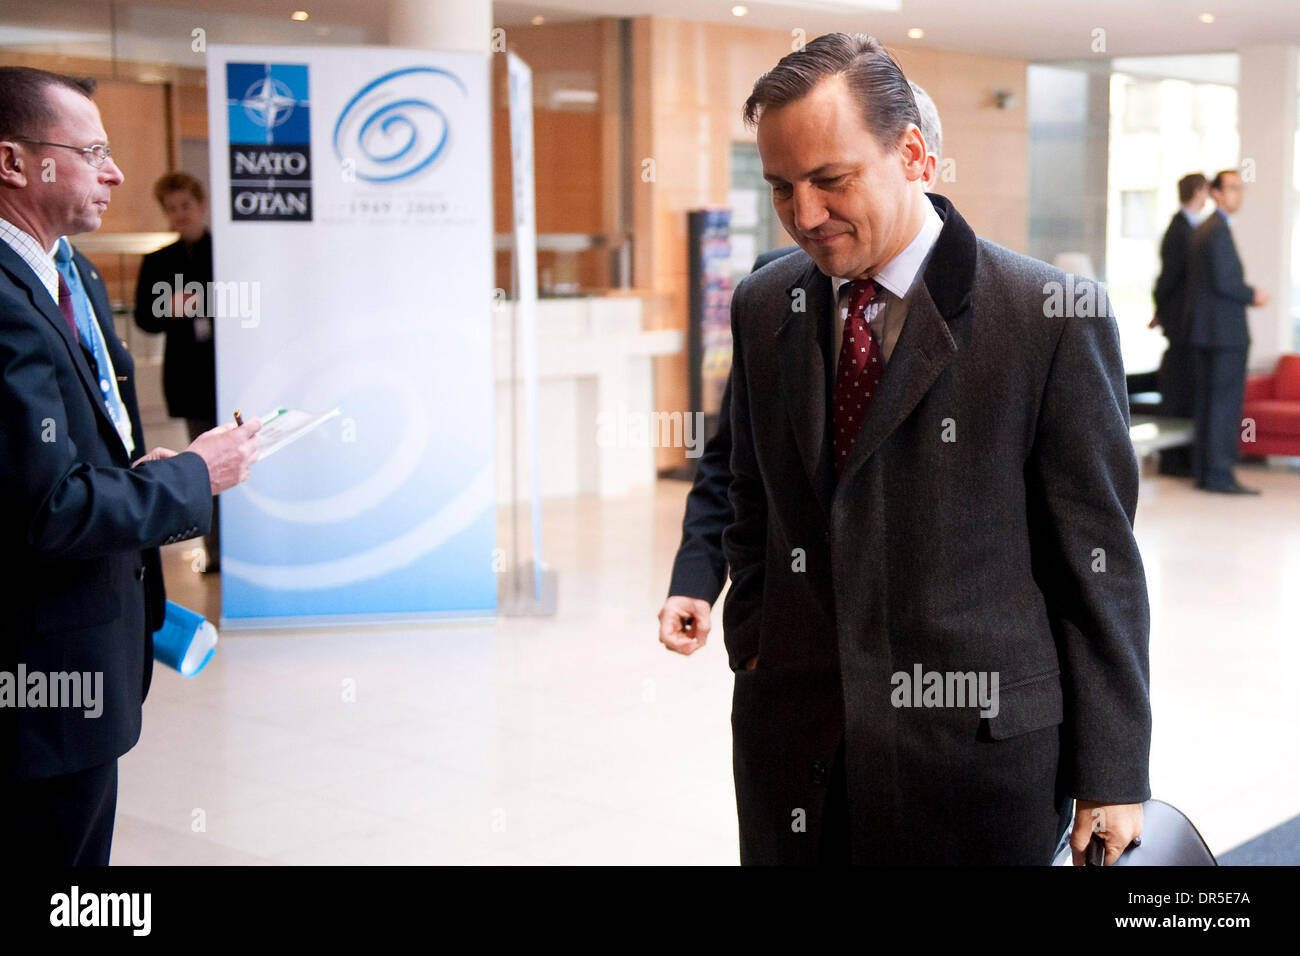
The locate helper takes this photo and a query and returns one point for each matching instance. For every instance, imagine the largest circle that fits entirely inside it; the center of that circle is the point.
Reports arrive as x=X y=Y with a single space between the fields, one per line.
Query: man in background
x=85 y=509
x=700 y=568
x=1178 y=365
x=185 y=318
x=1217 y=296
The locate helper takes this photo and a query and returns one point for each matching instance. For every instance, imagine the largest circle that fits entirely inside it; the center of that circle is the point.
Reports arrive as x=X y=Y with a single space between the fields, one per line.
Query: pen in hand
x=239 y=421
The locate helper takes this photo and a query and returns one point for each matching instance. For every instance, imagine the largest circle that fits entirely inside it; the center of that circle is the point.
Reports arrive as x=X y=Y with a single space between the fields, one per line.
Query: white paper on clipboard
x=283 y=426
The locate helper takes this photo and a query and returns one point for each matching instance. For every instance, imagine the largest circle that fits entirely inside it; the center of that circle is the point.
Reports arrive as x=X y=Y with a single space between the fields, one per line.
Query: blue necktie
x=93 y=340
x=80 y=302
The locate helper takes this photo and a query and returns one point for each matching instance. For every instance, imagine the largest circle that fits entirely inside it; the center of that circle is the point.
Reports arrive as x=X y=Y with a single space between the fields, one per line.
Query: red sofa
x=1273 y=401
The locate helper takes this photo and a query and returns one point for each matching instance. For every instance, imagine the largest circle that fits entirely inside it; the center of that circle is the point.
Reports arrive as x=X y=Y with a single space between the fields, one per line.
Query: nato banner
x=352 y=205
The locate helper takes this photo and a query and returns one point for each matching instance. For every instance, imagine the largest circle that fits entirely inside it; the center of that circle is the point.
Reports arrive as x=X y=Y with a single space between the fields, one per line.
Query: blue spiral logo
x=392 y=129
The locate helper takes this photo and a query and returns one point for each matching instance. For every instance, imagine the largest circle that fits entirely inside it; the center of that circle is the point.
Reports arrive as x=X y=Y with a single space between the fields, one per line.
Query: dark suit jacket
x=1171 y=284
x=1217 y=294
x=700 y=567
x=82 y=586
x=189 y=365
x=976 y=554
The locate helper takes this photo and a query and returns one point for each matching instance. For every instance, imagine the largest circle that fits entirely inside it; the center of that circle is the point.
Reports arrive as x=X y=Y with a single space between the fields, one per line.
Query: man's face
x=184 y=214
x=1229 y=197
x=68 y=195
x=1200 y=198
x=840 y=195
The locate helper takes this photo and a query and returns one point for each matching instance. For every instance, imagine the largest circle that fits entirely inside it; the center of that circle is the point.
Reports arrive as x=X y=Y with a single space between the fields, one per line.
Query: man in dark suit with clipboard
x=86 y=508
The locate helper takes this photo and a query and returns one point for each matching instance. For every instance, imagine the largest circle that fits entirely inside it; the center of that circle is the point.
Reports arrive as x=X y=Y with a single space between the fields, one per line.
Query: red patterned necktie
x=858 y=373
x=65 y=307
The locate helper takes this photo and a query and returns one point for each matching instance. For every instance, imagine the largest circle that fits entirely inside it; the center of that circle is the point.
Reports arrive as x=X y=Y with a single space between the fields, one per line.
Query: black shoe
x=1234 y=489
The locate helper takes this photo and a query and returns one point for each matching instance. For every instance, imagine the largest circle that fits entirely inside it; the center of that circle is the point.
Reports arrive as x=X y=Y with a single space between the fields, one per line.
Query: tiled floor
x=578 y=739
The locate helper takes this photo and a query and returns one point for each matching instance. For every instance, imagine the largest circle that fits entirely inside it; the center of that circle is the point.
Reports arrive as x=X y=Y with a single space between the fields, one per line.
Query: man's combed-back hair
x=25 y=107
x=873 y=76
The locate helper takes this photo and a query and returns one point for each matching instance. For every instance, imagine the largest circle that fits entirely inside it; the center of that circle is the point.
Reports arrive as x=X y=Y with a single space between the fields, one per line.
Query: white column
x=448 y=25
x=1266 y=118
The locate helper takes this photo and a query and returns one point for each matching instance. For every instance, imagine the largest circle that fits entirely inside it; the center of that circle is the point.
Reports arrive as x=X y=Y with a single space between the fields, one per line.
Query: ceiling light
x=1207 y=18
x=299 y=15
x=915 y=33
x=739 y=10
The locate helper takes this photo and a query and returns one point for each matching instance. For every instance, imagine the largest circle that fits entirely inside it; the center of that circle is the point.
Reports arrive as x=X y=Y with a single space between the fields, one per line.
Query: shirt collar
x=901 y=271
x=1225 y=216
x=40 y=260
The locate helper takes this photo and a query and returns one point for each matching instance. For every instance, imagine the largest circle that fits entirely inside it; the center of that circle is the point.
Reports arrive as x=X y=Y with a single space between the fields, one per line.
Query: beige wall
x=690 y=81
x=989 y=147
x=576 y=185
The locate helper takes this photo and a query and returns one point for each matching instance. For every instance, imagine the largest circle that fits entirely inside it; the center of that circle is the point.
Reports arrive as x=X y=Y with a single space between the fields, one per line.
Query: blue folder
x=186 y=641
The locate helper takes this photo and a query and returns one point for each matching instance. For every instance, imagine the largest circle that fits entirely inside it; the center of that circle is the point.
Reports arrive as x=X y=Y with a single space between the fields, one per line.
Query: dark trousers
x=1177 y=377
x=60 y=821
x=212 y=541
x=1220 y=388
x=835 y=842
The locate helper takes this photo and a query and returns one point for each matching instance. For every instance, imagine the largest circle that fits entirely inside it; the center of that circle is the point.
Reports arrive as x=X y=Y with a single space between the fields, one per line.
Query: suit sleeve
x=145 y=296
x=1082 y=481
x=745 y=540
x=59 y=505
x=1225 y=269
x=700 y=568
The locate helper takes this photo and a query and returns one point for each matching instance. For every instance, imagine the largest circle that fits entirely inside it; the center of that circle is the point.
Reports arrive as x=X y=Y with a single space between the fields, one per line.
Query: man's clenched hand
x=684 y=624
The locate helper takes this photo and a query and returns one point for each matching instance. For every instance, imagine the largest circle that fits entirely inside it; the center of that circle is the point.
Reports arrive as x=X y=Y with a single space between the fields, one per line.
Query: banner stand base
x=515 y=597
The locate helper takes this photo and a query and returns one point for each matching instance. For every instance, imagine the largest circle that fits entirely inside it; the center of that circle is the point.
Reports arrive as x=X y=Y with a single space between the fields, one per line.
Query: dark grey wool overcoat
x=983 y=523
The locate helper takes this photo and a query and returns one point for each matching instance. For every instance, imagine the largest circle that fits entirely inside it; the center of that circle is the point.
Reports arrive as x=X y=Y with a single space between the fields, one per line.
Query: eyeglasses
x=96 y=155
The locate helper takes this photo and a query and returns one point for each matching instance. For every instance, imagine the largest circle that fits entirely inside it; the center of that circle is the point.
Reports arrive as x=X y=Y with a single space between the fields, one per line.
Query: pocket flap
x=1027 y=706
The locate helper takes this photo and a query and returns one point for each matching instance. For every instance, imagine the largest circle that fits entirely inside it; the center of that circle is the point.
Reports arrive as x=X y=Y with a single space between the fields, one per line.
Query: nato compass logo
x=393 y=128
x=269 y=115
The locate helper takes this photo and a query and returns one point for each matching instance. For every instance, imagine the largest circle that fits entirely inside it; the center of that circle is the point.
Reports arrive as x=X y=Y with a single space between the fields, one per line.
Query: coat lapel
x=799 y=344
x=926 y=345
x=123 y=364
x=40 y=299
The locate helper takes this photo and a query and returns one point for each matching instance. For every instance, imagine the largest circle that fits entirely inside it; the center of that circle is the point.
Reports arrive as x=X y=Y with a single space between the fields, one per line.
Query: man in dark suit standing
x=1217 y=296
x=82 y=585
x=1178 y=365
x=165 y=301
x=700 y=567
x=938 y=493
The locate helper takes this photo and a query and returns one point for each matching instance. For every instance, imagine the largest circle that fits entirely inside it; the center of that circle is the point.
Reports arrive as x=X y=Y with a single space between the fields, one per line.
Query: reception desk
x=593 y=358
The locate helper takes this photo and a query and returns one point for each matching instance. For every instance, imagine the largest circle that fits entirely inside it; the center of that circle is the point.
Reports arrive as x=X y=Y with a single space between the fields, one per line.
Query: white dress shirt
x=888 y=307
